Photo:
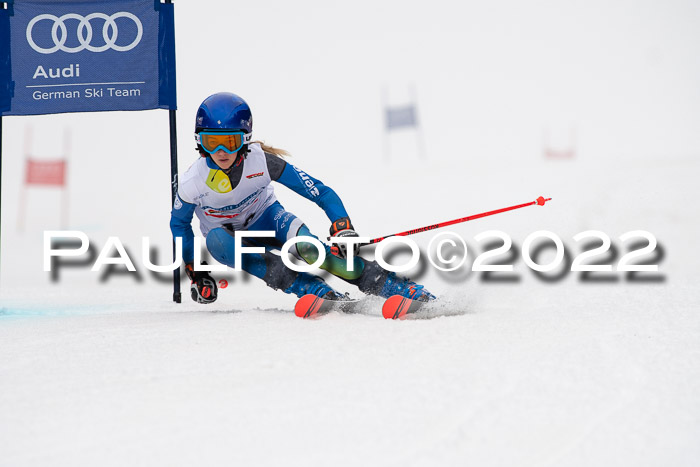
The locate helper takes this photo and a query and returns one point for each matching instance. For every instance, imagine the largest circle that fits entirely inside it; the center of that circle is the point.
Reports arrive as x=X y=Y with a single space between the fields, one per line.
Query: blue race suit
x=243 y=199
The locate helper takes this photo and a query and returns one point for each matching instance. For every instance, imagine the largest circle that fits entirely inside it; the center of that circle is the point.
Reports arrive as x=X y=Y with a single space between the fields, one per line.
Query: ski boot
x=405 y=287
x=306 y=284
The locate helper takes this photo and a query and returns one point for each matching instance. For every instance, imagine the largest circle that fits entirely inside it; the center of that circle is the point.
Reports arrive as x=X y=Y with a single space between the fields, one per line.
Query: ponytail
x=281 y=153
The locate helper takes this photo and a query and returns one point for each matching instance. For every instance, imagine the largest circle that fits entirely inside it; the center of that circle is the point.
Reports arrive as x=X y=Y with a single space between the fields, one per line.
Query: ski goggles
x=230 y=141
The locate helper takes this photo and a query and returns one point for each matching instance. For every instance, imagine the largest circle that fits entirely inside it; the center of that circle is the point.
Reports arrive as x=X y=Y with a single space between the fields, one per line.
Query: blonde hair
x=282 y=153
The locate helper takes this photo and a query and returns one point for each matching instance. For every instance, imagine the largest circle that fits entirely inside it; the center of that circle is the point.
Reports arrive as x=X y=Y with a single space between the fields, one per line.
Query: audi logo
x=84 y=32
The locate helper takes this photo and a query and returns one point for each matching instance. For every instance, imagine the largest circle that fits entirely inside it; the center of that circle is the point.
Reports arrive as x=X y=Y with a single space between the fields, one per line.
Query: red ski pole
x=539 y=201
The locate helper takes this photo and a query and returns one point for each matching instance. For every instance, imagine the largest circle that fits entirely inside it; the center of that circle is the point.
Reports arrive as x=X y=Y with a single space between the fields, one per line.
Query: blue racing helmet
x=223 y=111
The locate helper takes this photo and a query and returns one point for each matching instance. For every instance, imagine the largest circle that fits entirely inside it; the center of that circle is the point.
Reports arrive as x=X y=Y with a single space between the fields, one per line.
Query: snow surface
x=528 y=372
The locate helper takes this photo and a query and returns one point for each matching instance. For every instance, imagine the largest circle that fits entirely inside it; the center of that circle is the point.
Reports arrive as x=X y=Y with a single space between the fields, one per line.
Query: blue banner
x=400 y=117
x=86 y=56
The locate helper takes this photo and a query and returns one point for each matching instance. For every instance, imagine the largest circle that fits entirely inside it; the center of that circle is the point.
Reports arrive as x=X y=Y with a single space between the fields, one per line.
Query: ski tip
x=308 y=306
x=396 y=307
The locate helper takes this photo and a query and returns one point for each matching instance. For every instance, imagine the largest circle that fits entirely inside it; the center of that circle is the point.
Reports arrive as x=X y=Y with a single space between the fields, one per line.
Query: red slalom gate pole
x=539 y=201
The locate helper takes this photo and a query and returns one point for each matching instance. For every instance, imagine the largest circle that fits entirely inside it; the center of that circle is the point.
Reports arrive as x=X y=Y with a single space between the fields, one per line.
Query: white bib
x=217 y=204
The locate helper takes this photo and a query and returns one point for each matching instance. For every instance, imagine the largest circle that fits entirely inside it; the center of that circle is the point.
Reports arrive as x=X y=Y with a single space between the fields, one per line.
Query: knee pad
x=305 y=250
x=333 y=264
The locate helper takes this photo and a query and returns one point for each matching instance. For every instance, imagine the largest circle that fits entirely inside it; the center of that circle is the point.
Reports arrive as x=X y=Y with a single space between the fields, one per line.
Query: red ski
x=398 y=307
x=311 y=306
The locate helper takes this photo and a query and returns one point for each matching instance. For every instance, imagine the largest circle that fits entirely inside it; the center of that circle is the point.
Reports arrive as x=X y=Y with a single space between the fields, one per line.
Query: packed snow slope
x=560 y=373
x=512 y=368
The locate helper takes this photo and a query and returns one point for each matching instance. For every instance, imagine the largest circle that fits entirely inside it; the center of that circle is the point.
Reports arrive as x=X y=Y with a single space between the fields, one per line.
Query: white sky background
x=489 y=77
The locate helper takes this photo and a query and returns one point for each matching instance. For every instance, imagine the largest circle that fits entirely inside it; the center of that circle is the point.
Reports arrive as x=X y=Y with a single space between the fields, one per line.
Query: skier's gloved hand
x=343 y=228
x=203 y=288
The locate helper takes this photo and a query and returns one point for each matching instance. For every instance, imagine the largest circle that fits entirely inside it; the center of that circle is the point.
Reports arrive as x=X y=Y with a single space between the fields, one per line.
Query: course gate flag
x=87 y=56
x=61 y=56
x=45 y=172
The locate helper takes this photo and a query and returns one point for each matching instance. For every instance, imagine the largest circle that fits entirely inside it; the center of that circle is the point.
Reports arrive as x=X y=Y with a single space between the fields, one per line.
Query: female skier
x=229 y=189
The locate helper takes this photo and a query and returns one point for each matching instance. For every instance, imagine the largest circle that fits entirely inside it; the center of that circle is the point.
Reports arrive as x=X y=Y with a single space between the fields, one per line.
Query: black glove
x=203 y=288
x=343 y=228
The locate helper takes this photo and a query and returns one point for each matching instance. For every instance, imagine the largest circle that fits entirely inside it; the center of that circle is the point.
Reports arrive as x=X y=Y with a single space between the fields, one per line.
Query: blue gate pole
x=177 y=296
x=0 y=194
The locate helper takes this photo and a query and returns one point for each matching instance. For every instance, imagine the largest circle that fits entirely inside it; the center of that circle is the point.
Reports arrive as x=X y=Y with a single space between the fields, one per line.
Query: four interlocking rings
x=84 y=32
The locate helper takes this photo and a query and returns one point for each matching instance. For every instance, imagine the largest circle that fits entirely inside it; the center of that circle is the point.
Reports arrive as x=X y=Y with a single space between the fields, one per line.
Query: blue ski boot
x=405 y=287
x=376 y=280
x=306 y=284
